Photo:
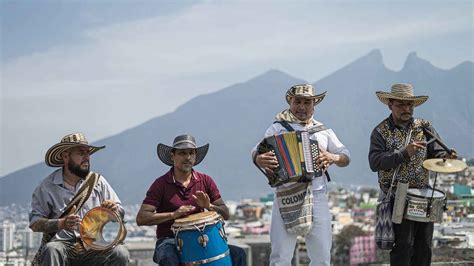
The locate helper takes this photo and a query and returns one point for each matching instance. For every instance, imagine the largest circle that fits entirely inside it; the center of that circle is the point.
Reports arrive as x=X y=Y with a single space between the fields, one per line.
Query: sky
x=101 y=67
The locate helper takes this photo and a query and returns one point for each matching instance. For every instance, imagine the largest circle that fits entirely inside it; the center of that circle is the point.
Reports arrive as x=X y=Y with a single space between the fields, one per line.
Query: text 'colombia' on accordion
x=296 y=154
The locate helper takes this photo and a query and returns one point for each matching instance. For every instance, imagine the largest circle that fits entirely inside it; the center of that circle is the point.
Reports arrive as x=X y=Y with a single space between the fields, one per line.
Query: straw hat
x=304 y=91
x=53 y=155
x=180 y=143
x=403 y=92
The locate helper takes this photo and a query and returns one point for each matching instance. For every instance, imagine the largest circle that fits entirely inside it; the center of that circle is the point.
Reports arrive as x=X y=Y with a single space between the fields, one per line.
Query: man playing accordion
x=316 y=229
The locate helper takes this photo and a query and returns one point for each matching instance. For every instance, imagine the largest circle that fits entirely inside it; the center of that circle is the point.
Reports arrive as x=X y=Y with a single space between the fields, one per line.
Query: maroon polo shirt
x=167 y=195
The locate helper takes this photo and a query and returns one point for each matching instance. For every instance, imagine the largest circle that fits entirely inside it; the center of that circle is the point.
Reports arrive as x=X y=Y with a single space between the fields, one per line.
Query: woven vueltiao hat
x=53 y=155
x=304 y=91
x=402 y=92
x=180 y=143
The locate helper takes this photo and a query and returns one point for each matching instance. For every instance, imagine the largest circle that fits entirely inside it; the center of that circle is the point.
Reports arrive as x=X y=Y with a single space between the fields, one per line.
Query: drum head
x=426 y=192
x=198 y=218
x=101 y=229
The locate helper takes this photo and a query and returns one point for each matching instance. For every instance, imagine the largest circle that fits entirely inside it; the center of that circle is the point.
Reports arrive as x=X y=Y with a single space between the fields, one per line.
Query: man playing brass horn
x=413 y=239
x=61 y=200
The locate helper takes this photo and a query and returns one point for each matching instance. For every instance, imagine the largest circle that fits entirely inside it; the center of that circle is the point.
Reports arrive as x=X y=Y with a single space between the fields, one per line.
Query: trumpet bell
x=101 y=229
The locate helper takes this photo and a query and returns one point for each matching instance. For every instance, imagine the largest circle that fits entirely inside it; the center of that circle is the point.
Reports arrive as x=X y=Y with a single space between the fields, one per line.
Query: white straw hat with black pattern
x=180 y=143
x=402 y=92
x=304 y=91
x=53 y=155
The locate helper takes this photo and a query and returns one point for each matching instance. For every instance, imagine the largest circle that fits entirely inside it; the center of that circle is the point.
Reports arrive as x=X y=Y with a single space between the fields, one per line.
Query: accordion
x=296 y=154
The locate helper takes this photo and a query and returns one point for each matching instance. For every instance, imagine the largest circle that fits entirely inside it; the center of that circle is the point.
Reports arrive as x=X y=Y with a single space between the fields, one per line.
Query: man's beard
x=76 y=170
x=187 y=167
x=406 y=117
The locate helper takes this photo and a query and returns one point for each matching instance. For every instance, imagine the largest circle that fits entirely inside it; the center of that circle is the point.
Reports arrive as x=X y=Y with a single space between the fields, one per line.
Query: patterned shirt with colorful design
x=388 y=151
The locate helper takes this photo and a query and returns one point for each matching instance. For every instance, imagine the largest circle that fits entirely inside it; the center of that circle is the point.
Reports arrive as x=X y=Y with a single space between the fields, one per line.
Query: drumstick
x=435 y=138
x=430 y=141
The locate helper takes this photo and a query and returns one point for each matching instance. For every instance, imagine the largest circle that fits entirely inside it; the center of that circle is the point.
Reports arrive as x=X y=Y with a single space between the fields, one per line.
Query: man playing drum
x=299 y=116
x=180 y=192
x=388 y=152
x=61 y=200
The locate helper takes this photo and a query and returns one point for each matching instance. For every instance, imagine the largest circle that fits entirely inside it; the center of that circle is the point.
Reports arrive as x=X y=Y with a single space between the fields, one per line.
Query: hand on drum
x=182 y=211
x=202 y=199
x=71 y=221
x=267 y=161
x=325 y=159
x=111 y=205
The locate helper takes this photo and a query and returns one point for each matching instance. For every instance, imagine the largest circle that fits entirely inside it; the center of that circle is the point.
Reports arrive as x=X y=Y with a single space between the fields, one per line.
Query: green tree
x=351 y=202
x=343 y=242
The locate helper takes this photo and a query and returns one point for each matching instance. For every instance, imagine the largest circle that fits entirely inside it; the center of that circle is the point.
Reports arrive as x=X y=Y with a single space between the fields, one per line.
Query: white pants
x=318 y=240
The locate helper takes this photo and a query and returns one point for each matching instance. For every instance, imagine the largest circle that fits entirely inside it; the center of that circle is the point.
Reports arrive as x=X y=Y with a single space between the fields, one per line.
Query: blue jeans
x=167 y=254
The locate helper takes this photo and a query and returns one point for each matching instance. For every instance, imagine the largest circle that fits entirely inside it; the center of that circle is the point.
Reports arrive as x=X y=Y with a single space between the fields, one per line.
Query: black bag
x=384 y=235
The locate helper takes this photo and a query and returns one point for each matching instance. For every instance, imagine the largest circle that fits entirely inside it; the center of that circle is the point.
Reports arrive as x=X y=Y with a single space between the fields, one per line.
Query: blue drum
x=201 y=240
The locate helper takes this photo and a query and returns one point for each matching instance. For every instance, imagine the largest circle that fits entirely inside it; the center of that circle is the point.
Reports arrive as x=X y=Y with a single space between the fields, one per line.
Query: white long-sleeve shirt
x=327 y=140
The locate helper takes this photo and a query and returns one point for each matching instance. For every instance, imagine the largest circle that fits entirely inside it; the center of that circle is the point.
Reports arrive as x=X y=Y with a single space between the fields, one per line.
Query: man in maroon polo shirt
x=180 y=192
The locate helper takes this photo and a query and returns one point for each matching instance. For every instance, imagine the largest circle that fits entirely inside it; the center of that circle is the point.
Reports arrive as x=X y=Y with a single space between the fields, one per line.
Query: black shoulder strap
x=318 y=128
x=285 y=125
x=311 y=130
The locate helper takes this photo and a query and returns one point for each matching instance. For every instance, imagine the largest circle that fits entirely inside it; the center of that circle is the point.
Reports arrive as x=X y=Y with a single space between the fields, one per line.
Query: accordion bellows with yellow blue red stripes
x=296 y=154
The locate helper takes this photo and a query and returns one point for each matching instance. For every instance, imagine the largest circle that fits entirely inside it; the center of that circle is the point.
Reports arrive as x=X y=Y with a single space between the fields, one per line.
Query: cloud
x=148 y=67
x=215 y=37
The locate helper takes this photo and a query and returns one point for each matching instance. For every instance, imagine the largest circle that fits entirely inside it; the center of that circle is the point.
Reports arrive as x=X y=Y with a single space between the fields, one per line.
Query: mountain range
x=234 y=119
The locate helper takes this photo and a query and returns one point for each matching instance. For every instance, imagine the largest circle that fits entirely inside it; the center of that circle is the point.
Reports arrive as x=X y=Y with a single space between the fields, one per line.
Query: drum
x=421 y=208
x=102 y=229
x=201 y=239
